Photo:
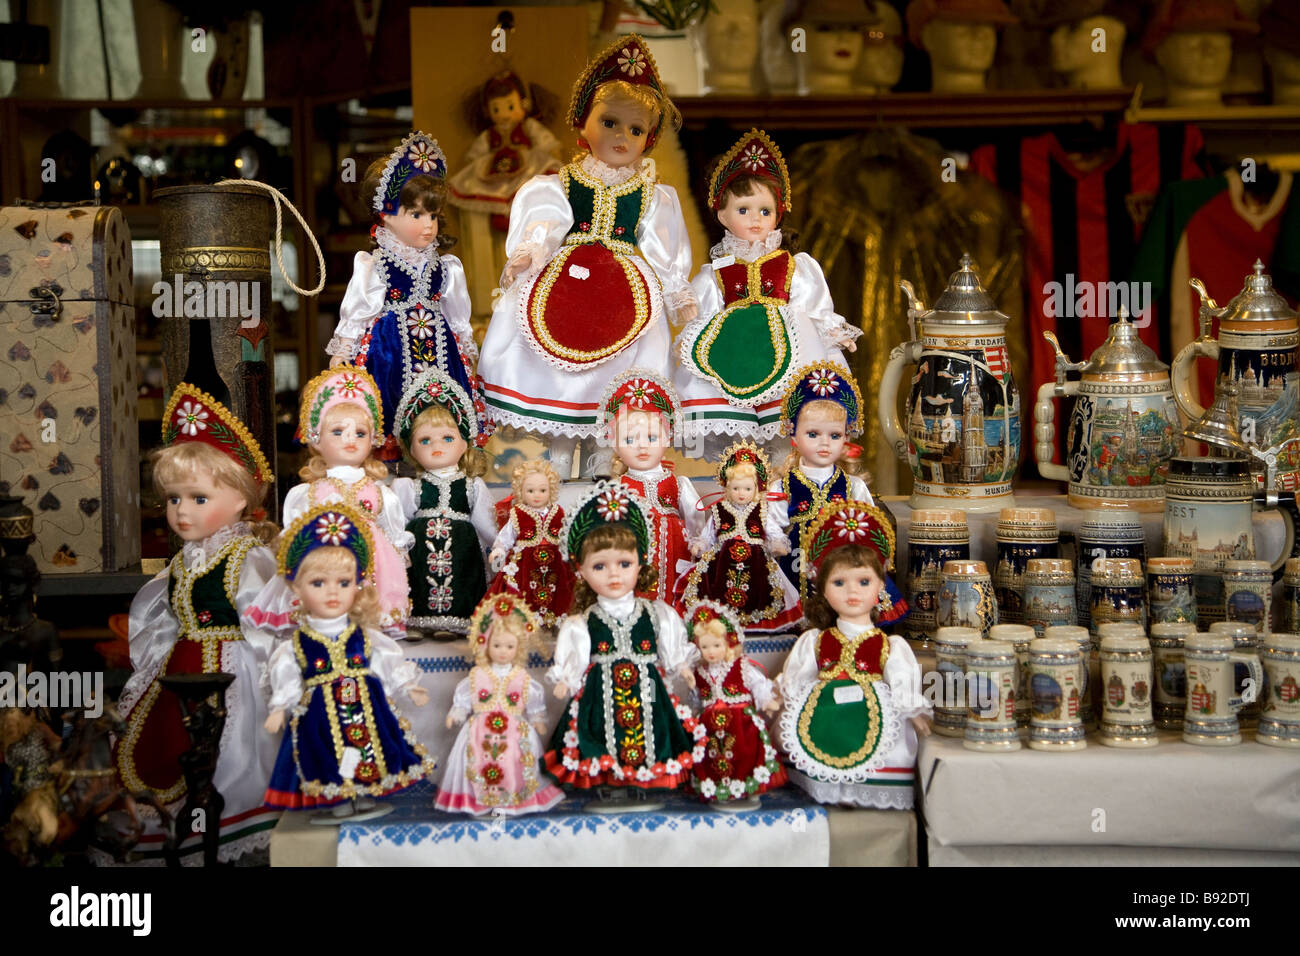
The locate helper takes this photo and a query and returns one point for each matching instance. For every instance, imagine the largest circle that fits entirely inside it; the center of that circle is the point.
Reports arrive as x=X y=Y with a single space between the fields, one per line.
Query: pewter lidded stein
x=963 y=426
x=1124 y=427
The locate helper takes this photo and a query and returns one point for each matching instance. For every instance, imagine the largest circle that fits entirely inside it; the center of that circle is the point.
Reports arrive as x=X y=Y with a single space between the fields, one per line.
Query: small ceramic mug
x=1248 y=594
x=991 y=717
x=1049 y=593
x=1089 y=667
x=934 y=536
x=1279 y=719
x=1127 y=720
x=1056 y=719
x=1291 y=596
x=1169 y=673
x=966 y=596
x=1212 y=703
x=1023 y=534
x=1117 y=592
x=950 y=644
x=1246 y=639
x=1171 y=590
x=1019 y=636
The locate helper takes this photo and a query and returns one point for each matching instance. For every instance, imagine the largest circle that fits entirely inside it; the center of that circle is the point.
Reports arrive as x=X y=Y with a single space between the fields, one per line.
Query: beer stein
x=1126 y=718
x=1117 y=592
x=1279 y=719
x=1104 y=534
x=1049 y=593
x=1089 y=671
x=1169 y=674
x=966 y=596
x=1212 y=703
x=1248 y=594
x=1056 y=719
x=950 y=644
x=1171 y=594
x=934 y=536
x=1291 y=596
x=1023 y=534
x=1246 y=639
x=1018 y=636
x=991 y=717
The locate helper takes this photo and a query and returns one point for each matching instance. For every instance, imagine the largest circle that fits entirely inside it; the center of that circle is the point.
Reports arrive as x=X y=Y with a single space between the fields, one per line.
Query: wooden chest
x=69 y=441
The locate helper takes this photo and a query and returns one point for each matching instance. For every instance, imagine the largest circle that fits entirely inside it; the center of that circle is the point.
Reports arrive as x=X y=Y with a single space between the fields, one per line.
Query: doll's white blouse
x=573 y=641
x=462 y=701
x=778 y=511
x=387 y=662
x=391 y=518
x=482 y=513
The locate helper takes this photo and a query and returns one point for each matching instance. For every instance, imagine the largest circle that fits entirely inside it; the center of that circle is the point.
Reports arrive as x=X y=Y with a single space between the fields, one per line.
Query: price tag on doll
x=348 y=765
x=650 y=694
x=579 y=272
x=723 y=262
x=849 y=695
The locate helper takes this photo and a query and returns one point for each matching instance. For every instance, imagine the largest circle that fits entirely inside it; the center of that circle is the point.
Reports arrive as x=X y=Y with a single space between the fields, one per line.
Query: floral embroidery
x=422 y=157
x=496 y=722
x=350 y=386
x=631 y=61
x=419 y=321
x=333 y=529
x=440 y=597
x=492 y=774
x=754 y=158
x=614 y=504
x=190 y=417
x=851 y=525
x=823 y=382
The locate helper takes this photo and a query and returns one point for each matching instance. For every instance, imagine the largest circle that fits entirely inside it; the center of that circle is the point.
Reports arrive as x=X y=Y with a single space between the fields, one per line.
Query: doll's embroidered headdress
x=608 y=502
x=330 y=525
x=754 y=155
x=192 y=415
x=641 y=390
x=822 y=381
x=744 y=453
x=713 y=611
x=628 y=59
x=343 y=384
x=499 y=607
x=434 y=387
x=855 y=522
x=418 y=155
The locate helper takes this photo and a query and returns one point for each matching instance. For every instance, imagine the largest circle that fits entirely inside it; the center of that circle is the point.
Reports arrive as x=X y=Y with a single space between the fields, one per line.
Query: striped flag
x=996 y=358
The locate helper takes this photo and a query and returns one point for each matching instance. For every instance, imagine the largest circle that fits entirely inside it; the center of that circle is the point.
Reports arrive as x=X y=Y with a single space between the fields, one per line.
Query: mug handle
x=1251 y=661
x=1045 y=428
x=901 y=356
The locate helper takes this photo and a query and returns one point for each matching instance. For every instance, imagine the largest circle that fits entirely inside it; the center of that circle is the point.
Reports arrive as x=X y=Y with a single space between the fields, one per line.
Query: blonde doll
x=342 y=422
x=529 y=544
x=186 y=620
x=494 y=764
x=597 y=255
x=333 y=681
x=452 y=520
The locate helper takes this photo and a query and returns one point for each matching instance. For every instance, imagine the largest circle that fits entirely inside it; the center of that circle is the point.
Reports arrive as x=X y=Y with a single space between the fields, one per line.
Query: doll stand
x=737 y=806
x=360 y=809
x=618 y=800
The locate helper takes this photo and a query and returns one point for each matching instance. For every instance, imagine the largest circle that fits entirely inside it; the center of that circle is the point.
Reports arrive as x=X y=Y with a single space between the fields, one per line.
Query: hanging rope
x=278 y=197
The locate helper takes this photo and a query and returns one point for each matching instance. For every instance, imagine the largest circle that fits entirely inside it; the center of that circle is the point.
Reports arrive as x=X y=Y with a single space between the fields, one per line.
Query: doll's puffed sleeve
x=392 y=518
x=707 y=293
x=572 y=652
x=688 y=500
x=760 y=685
x=255 y=574
x=390 y=665
x=461 y=702
x=903 y=675
x=535 y=708
x=708 y=535
x=285 y=677
x=295 y=503
x=859 y=491
x=506 y=538
x=663 y=240
x=482 y=513
x=675 y=648
x=778 y=513
x=407 y=492
x=810 y=295
x=456 y=307
x=540 y=218
x=543 y=155
x=152 y=628
x=801 y=666
x=362 y=303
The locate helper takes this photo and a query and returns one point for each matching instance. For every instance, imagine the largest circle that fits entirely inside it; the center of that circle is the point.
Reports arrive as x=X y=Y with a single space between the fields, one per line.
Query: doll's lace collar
x=650 y=475
x=412 y=256
x=618 y=607
x=196 y=554
x=610 y=175
x=733 y=245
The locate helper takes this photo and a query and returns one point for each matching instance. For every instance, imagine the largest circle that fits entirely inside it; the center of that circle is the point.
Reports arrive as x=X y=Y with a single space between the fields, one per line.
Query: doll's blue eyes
x=198 y=499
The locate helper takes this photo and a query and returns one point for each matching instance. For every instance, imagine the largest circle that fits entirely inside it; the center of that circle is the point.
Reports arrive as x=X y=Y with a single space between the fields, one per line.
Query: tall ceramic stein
x=966 y=597
x=1124 y=427
x=1056 y=720
x=934 y=536
x=1169 y=673
x=1114 y=533
x=950 y=644
x=1022 y=535
x=1049 y=593
x=1212 y=705
x=991 y=718
x=1279 y=720
x=963 y=411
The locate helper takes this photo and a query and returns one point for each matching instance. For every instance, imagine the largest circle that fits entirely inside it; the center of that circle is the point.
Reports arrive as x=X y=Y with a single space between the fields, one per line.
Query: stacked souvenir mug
x=935 y=536
x=991 y=717
x=966 y=597
x=1056 y=670
x=1212 y=702
x=1023 y=534
x=1171 y=591
x=1019 y=636
x=1116 y=592
x=950 y=646
x=1248 y=594
x=1279 y=719
x=1246 y=640
x=1049 y=593
x=1090 y=675
x=1169 y=674
x=1127 y=719
x=1291 y=596
x=1107 y=534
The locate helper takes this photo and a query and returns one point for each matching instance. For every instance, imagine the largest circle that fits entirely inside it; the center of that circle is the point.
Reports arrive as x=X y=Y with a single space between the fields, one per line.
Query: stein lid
x=1049 y=566
x=1053 y=645
x=1123 y=352
x=1258 y=301
x=1073 y=632
x=965 y=302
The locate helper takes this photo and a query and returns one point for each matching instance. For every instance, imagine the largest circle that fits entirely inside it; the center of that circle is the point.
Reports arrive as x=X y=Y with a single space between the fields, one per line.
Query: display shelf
x=126 y=581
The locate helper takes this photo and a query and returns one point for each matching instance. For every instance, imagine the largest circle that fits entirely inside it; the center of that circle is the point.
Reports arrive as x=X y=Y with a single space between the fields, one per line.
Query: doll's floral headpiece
x=418 y=155
x=608 y=502
x=744 y=453
x=713 y=611
x=343 y=384
x=192 y=415
x=754 y=155
x=842 y=523
x=434 y=387
x=642 y=390
x=628 y=59
x=330 y=525
x=822 y=381
x=499 y=607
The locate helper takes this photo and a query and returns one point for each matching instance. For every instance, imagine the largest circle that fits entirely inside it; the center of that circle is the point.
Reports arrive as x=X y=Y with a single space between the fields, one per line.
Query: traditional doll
x=529 y=544
x=740 y=761
x=342 y=422
x=642 y=411
x=595 y=255
x=622 y=727
x=735 y=566
x=451 y=514
x=764 y=311
x=853 y=703
x=495 y=763
x=336 y=677
x=406 y=308
x=186 y=620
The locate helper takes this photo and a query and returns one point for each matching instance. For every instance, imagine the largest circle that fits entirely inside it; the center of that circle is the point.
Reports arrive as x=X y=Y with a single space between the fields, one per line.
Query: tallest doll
x=598 y=261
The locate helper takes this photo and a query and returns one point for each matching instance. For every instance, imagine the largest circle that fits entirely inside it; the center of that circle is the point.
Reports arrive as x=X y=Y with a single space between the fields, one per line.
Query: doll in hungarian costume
x=495 y=763
x=407 y=308
x=622 y=728
x=451 y=517
x=527 y=548
x=642 y=411
x=764 y=311
x=342 y=422
x=735 y=566
x=740 y=759
x=186 y=620
x=598 y=258
x=852 y=694
x=343 y=741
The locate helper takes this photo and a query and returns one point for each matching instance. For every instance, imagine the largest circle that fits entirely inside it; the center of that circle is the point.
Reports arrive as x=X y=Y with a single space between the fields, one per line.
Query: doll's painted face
x=641 y=440
x=610 y=572
x=502 y=645
x=820 y=437
x=751 y=217
x=415 y=227
x=616 y=131
x=741 y=489
x=536 y=490
x=713 y=646
x=436 y=446
x=506 y=112
x=198 y=506
x=852 y=592
x=344 y=439
x=325 y=589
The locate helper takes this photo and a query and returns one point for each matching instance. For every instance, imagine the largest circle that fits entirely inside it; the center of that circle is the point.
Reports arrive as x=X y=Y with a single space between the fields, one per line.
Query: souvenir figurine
x=335 y=679
x=735 y=566
x=451 y=514
x=30 y=752
x=622 y=728
x=853 y=703
x=598 y=255
x=643 y=411
x=530 y=539
x=740 y=761
x=494 y=765
x=342 y=421
x=406 y=308
x=764 y=311
x=186 y=620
